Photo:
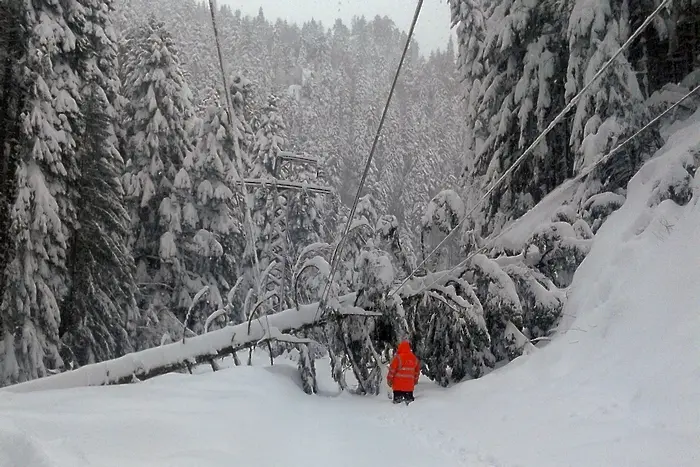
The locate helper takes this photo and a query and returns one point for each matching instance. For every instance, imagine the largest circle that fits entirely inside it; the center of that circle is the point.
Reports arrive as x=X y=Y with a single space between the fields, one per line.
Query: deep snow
x=618 y=386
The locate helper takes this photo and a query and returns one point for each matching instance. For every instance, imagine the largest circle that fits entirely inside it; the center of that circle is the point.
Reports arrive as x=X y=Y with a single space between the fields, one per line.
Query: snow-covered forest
x=140 y=207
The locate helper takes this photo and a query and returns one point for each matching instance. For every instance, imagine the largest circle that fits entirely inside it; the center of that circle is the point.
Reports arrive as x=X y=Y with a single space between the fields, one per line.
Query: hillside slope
x=618 y=386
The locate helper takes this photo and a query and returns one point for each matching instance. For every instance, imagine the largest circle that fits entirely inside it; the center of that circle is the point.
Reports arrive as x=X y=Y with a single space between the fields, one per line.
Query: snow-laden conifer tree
x=217 y=244
x=157 y=142
x=269 y=139
x=99 y=311
x=448 y=331
x=613 y=108
x=361 y=231
x=42 y=216
x=501 y=304
x=513 y=59
x=598 y=207
x=358 y=341
x=469 y=17
x=245 y=122
x=542 y=302
x=392 y=239
x=270 y=210
x=556 y=250
x=443 y=214
x=373 y=279
x=12 y=90
x=305 y=220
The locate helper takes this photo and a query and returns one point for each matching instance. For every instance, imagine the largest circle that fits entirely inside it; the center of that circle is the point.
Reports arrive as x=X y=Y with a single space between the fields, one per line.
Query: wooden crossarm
x=286 y=185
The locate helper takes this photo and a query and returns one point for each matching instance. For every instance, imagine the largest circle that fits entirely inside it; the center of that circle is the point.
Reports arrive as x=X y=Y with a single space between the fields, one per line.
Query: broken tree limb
x=204 y=291
x=194 y=351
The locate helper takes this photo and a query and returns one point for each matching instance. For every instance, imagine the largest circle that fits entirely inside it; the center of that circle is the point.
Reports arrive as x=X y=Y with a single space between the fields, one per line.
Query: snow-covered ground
x=618 y=386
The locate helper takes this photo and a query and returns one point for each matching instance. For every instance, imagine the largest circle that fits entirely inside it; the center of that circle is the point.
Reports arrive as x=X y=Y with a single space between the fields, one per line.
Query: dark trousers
x=403 y=396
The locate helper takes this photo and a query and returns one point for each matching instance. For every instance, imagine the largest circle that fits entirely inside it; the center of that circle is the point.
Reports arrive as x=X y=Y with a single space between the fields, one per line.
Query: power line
x=239 y=162
x=578 y=178
x=335 y=260
x=607 y=157
x=539 y=139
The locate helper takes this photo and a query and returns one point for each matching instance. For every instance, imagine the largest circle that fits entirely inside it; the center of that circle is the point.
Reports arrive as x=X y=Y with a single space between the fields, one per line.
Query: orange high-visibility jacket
x=404 y=369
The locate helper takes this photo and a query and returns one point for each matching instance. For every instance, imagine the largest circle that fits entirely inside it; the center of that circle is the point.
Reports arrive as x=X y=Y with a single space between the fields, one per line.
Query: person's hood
x=404 y=347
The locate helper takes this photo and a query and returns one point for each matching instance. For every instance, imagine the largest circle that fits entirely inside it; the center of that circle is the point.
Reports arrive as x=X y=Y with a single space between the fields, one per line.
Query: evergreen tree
x=541 y=301
x=613 y=108
x=501 y=304
x=269 y=140
x=305 y=220
x=556 y=250
x=520 y=90
x=157 y=142
x=245 y=121
x=270 y=209
x=12 y=92
x=444 y=213
x=217 y=243
x=42 y=215
x=374 y=275
x=99 y=311
x=448 y=331
x=389 y=237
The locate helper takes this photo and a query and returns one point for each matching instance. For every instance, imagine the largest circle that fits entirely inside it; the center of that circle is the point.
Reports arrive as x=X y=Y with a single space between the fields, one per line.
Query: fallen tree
x=454 y=320
x=188 y=353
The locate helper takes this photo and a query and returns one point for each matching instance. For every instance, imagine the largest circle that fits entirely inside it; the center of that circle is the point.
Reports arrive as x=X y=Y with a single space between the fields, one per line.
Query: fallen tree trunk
x=193 y=351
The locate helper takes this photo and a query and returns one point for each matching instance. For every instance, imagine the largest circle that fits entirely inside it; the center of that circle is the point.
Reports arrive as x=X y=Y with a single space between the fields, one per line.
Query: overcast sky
x=432 y=31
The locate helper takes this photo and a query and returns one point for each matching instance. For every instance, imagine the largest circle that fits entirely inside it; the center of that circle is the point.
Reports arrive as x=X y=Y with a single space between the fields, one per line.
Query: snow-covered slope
x=619 y=386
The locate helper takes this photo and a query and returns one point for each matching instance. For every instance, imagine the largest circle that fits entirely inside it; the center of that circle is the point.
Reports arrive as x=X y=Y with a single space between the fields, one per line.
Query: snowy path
x=258 y=416
x=248 y=415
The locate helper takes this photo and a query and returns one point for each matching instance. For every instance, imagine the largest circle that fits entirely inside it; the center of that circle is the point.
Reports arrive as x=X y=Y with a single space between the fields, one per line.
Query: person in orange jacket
x=403 y=373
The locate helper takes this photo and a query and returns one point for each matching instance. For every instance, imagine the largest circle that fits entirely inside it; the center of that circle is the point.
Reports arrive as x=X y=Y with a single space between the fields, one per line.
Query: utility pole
x=283 y=159
x=285 y=188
